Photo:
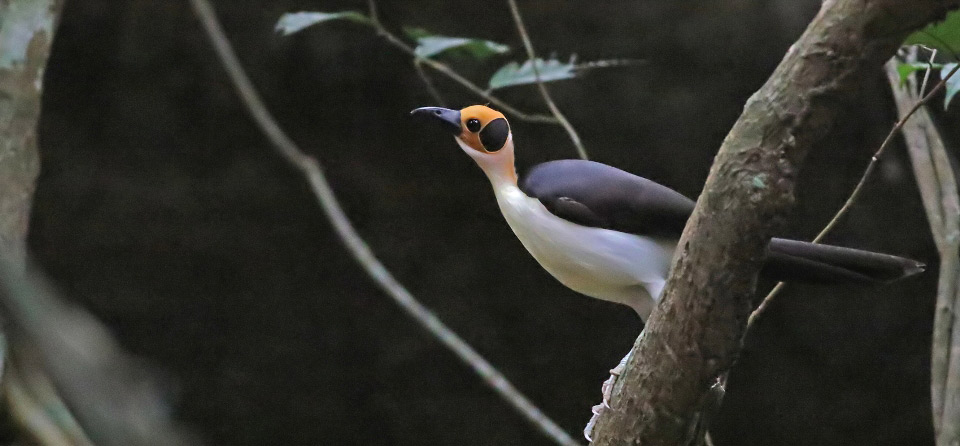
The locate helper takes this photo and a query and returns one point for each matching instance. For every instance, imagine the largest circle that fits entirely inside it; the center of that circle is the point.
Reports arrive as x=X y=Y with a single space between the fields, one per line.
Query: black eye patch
x=494 y=135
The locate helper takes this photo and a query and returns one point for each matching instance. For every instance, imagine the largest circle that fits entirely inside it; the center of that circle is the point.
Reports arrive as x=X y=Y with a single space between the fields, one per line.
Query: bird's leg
x=607 y=390
x=643 y=306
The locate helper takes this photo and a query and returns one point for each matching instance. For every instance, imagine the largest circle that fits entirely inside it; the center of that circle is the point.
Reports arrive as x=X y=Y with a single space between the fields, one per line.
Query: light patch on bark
x=20 y=21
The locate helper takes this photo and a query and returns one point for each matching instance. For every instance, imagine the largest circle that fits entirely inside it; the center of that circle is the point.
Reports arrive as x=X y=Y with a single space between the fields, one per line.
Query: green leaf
x=515 y=74
x=944 y=36
x=292 y=22
x=429 y=46
x=415 y=33
x=906 y=69
x=953 y=84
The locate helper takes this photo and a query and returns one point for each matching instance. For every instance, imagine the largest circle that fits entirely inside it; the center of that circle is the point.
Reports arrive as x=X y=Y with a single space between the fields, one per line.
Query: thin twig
x=926 y=75
x=859 y=187
x=876 y=156
x=432 y=89
x=449 y=72
x=358 y=248
x=764 y=303
x=574 y=137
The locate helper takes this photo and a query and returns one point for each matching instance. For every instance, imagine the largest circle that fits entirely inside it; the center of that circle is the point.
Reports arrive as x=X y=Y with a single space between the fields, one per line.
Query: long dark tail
x=791 y=260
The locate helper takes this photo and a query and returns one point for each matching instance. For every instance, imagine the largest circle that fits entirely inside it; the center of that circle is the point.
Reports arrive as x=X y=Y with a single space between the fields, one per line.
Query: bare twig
x=432 y=89
x=926 y=74
x=859 y=187
x=531 y=54
x=764 y=303
x=449 y=72
x=876 y=156
x=938 y=190
x=312 y=171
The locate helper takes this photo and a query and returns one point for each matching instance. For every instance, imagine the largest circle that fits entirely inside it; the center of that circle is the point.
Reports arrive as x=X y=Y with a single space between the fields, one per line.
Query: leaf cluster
x=430 y=45
x=941 y=38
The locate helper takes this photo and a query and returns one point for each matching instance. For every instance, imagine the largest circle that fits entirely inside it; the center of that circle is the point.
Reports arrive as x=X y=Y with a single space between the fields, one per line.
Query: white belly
x=600 y=263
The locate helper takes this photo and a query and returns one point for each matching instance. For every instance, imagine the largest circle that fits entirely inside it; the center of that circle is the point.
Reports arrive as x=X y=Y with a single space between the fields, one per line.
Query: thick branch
x=694 y=334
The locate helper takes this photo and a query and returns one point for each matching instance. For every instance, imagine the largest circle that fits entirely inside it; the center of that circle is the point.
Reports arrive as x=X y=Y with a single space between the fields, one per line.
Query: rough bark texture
x=26 y=31
x=694 y=334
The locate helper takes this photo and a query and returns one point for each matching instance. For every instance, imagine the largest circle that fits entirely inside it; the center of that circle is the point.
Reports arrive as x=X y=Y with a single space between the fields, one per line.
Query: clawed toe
x=588 y=430
x=607 y=391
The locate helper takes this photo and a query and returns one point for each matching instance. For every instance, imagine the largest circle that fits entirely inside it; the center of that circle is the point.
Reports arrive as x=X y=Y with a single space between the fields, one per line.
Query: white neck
x=498 y=166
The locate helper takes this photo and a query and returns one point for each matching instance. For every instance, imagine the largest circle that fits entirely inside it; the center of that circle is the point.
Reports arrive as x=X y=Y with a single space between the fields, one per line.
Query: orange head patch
x=483 y=128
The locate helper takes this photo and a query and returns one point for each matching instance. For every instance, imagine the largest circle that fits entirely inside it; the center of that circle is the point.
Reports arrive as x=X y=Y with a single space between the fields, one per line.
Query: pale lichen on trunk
x=26 y=31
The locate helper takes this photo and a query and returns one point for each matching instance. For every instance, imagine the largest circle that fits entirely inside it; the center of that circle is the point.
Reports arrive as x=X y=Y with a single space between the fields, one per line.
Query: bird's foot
x=607 y=388
x=607 y=391
x=588 y=429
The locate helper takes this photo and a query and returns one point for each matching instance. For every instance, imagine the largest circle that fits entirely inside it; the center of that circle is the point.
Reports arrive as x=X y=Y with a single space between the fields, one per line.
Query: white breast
x=600 y=263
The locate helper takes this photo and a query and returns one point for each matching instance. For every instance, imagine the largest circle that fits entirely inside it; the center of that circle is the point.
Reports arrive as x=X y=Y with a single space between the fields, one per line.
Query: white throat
x=497 y=165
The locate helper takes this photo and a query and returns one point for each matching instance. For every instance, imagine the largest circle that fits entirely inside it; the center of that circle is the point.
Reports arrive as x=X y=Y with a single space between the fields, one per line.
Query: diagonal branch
x=532 y=55
x=361 y=252
x=704 y=308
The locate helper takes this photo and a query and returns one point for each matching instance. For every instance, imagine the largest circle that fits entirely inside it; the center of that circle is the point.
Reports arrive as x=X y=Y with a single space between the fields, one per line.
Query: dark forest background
x=162 y=209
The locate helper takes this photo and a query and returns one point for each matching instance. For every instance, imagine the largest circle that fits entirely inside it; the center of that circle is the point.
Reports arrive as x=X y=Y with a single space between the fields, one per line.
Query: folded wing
x=597 y=195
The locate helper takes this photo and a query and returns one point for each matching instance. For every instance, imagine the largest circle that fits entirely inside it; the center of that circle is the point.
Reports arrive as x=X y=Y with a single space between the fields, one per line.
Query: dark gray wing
x=597 y=195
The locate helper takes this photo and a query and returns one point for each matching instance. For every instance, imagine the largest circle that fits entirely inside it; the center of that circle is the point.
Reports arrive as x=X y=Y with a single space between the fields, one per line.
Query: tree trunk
x=26 y=31
x=695 y=332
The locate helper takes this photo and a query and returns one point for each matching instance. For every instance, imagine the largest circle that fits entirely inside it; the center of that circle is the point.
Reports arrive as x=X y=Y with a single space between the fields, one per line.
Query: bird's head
x=482 y=132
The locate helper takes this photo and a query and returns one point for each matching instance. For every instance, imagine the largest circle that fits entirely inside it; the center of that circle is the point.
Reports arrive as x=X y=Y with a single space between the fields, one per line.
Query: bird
x=609 y=234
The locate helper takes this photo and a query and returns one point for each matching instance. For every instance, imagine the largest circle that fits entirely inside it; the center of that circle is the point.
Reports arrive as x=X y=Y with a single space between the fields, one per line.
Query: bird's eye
x=473 y=125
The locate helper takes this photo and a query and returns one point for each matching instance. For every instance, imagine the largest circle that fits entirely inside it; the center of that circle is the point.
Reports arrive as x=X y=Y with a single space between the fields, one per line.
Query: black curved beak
x=448 y=119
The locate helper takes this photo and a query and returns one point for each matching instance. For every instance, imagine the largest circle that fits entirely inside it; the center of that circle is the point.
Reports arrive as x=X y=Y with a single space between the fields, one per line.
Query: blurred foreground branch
x=933 y=170
x=55 y=350
x=112 y=395
x=313 y=173
x=695 y=332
